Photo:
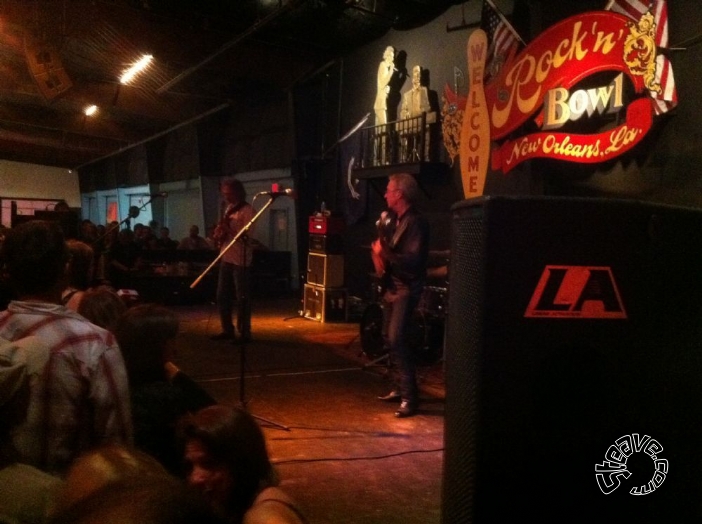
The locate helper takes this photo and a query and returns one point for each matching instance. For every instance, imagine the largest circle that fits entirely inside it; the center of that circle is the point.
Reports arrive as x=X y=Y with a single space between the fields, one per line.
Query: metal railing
x=398 y=142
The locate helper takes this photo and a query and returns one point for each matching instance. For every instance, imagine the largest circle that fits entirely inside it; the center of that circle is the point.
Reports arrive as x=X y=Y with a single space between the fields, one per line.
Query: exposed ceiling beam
x=157 y=135
x=273 y=15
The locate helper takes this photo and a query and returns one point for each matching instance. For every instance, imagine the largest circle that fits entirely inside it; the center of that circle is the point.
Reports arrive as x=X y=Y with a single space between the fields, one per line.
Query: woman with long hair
x=160 y=393
x=225 y=451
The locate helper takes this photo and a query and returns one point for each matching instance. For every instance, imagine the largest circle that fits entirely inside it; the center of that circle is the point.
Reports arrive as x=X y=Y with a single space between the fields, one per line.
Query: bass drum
x=425 y=337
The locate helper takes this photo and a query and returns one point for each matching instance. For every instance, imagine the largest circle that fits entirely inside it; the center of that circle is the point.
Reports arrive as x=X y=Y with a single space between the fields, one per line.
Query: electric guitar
x=385 y=226
x=221 y=230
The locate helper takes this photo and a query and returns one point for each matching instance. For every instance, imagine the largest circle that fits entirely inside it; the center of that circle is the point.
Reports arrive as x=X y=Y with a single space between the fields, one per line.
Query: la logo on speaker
x=576 y=292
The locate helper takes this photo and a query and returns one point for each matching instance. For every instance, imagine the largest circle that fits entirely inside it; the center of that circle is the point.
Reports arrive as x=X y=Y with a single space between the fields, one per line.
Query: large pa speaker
x=47 y=69
x=573 y=362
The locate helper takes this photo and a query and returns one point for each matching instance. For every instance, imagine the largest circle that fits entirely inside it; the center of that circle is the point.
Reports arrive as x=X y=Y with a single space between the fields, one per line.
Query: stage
x=344 y=456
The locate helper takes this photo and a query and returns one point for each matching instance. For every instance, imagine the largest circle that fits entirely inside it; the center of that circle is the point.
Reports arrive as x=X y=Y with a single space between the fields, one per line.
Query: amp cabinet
x=326 y=244
x=325 y=270
x=325 y=304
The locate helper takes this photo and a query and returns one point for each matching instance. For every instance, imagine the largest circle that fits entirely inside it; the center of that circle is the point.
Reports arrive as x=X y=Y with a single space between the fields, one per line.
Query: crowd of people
x=119 y=252
x=96 y=420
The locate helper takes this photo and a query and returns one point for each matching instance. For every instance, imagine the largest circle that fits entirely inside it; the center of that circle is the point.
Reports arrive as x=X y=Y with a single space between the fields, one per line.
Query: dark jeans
x=398 y=309
x=234 y=283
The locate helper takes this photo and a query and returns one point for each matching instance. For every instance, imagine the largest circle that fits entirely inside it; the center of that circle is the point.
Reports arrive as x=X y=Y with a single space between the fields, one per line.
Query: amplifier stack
x=325 y=297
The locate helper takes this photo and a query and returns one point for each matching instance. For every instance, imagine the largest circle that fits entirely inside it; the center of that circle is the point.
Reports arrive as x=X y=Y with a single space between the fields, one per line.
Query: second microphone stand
x=242 y=234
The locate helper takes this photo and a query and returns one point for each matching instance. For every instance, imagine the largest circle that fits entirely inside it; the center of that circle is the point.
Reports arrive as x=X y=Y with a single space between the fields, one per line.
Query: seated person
x=161 y=394
x=164 y=241
x=228 y=463
x=124 y=259
x=102 y=306
x=194 y=240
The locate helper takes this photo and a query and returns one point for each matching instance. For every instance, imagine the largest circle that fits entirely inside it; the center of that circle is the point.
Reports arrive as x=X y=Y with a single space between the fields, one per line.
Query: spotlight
x=90 y=110
x=137 y=68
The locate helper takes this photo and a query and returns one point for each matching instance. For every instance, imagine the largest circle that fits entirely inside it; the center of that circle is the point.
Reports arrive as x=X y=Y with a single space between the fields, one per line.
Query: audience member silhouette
x=80 y=273
x=124 y=257
x=26 y=493
x=83 y=399
x=194 y=241
x=228 y=462
x=102 y=306
x=161 y=394
x=93 y=470
x=164 y=241
x=116 y=485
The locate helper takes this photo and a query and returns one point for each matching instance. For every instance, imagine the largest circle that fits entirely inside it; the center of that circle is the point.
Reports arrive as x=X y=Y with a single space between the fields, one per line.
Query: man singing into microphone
x=400 y=257
x=234 y=268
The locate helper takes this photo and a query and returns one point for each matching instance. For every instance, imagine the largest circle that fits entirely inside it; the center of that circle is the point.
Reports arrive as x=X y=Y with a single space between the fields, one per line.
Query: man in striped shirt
x=81 y=399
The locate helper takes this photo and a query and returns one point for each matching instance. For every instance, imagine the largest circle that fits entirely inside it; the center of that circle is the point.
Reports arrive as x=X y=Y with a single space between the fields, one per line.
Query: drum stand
x=371 y=337
x=376 y=362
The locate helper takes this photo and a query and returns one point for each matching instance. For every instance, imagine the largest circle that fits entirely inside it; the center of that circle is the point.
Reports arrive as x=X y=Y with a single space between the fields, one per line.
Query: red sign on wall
x=540 y=87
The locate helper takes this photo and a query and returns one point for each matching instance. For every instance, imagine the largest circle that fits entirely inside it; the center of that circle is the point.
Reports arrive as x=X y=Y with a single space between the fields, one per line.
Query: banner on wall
x=600 y=71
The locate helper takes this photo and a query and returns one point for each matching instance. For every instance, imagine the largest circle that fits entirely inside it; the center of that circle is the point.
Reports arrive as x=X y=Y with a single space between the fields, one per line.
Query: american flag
x=501 y=37
x=668 y=98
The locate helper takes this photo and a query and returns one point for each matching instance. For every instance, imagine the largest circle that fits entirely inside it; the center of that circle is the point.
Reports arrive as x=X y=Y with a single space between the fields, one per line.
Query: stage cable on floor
x=353 y=459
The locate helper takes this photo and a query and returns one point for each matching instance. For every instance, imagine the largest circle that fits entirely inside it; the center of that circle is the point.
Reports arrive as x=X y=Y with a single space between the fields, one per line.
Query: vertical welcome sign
x=475 y=132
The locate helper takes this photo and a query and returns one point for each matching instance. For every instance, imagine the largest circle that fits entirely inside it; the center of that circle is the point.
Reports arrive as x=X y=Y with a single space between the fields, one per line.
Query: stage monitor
x=573 y=362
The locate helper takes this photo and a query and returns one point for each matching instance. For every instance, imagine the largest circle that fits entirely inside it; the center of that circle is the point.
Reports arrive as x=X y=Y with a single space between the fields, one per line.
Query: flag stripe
x=501 y=37
x=632 y=8
x=664 y=70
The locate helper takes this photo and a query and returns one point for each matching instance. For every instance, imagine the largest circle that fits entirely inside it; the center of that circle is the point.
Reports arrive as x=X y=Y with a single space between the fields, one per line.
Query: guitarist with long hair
x=234 y=269
x=400 y=257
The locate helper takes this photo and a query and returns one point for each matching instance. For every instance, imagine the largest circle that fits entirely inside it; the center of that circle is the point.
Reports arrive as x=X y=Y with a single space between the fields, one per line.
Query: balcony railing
x=399 y=142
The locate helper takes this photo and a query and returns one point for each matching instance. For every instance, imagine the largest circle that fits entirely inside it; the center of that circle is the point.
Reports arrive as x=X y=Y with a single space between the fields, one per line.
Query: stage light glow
x=137 y=68
x=90 y=110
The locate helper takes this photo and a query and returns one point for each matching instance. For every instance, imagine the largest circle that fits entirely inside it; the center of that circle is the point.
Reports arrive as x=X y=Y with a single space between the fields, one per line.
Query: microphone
x=285 y=192
x=157 y=195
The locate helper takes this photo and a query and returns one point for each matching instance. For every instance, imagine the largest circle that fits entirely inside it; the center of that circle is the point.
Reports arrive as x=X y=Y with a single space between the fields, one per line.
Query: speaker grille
x=462 y=364
x=533 y=402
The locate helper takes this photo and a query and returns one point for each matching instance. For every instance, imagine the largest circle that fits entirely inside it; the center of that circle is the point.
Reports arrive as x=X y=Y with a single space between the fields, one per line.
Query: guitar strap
x=399 y=230
x=233 y=210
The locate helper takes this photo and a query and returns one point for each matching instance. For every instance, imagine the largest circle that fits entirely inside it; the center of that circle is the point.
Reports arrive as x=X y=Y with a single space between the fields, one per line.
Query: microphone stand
x=132 y=213
x=242 y=233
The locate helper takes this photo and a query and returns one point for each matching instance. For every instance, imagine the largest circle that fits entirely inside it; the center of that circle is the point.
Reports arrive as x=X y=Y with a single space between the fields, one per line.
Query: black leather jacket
x=406 y=251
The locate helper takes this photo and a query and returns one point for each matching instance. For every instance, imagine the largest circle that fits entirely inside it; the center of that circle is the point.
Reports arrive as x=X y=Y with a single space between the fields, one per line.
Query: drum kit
x=426 y=336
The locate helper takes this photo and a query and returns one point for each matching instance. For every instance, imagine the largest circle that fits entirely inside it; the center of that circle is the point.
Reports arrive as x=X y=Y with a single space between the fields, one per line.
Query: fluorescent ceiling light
x=137 y=68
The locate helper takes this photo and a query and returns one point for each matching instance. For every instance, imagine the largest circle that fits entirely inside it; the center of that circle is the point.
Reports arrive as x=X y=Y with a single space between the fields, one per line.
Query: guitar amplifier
x=330 y=244
x=324 y=304
x=326 y=225
x=325 y=270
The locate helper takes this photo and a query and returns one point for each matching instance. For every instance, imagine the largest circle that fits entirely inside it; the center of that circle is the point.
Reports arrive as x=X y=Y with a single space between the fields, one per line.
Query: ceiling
x=58 y=56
